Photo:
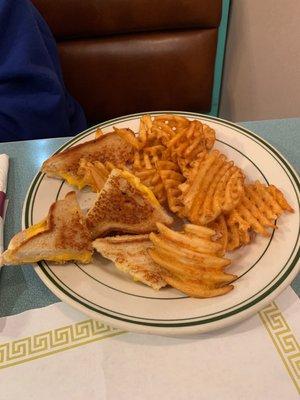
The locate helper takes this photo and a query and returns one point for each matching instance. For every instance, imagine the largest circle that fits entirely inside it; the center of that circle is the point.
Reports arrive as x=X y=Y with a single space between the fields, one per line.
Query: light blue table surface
x=20 y=287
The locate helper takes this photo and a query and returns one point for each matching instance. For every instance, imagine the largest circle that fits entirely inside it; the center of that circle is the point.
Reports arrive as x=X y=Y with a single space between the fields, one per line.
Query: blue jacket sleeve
x=34 y=102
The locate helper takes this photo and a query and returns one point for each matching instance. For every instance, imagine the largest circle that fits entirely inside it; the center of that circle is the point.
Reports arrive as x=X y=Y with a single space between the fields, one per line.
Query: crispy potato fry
x=145 y=135
x=234 y=240
x=188 y=265
x=99 y=175
x=195 y=288
x=191 y=141
x=200 y=231
x=164 y=177
x=206 y=260
x=184 y=269
x=186 y=140
x=176 y=139
x=229 y=236
x=191 y=242
x=171 y=180
x=167 y=165
x=167 y=143
x=258 y=210
x=170 y=117
x=210 y=136
x=219 y=225
x=94 y=174
x=243 y=238
x=189 y=168
x=162 y=134
x=144 y=167
x=217 y=186
x=128 y=135
x=279 y=198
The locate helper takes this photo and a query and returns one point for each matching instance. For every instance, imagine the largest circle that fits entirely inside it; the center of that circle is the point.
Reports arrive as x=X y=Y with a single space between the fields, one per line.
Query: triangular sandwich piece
x=130 y=255
x=61 y=237
x=125 y=205
x=108 y=147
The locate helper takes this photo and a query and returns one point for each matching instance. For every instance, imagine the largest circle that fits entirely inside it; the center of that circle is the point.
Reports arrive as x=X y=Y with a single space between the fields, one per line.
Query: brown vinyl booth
x=126 y=56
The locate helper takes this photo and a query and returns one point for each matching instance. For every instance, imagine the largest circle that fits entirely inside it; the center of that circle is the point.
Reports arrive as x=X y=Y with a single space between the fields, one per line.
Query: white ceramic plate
x=265 y=267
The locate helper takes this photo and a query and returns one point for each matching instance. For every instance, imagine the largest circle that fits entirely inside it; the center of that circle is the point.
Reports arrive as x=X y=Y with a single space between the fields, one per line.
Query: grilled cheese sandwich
x=106 y=148
x=125 y=205
x=61 y=237
x=130 y=255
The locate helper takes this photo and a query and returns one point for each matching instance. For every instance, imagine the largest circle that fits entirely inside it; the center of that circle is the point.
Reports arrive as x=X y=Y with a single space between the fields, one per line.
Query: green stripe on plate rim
x=270 y=149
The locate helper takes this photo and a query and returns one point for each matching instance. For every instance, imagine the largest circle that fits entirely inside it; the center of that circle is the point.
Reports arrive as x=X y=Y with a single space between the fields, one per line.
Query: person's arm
x=34 y=102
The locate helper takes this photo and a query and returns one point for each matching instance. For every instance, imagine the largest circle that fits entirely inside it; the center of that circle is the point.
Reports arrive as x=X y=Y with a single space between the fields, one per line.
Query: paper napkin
x=3 y=182
x=58 y=353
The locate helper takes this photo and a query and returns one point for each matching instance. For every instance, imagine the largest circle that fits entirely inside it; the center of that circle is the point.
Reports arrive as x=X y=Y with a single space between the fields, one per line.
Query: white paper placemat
x=57 y=353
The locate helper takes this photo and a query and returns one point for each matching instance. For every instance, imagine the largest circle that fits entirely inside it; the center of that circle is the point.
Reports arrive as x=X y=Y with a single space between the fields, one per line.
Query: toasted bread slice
x=61 y=237
x=125 y=205
x=109 y=147
x=129 y=253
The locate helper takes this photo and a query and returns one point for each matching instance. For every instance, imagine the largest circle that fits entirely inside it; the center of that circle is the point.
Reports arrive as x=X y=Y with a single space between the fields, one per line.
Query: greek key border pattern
x=61 y=339
x=283 y=339
x=54 y=341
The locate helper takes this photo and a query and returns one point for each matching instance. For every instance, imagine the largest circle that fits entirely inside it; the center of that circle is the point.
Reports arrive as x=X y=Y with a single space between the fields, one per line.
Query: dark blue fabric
x=34 y=102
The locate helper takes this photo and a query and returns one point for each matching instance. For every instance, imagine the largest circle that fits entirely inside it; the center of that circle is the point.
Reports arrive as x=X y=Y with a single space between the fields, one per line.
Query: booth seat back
x=126 y=56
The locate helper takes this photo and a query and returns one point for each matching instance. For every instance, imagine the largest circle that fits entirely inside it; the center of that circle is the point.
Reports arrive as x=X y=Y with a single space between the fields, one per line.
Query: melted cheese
x=35 y=229
x=141 y=187
x=84 y=256
x=59 y=257
x=74 y=181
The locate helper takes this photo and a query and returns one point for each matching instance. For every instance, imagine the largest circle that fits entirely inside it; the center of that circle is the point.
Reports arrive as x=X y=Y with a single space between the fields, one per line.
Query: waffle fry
x=193 y=289
x=187 y=167
x=95 y=174
x=191 y=261
x=217 y=186
x=219 y=225
x=258 y=210
x=152 y=179
x=233 y=235
x=172 y=120
x=192 y=140
x=146 y=136
x=163 y=132
x=128 y=135
x=185 y=139
x=167 y=126
x=190 y=144
x=171 y=179
x=260 y=207
x=200 y=231
x=162 y=176
x=167 y=138
x=144 y=167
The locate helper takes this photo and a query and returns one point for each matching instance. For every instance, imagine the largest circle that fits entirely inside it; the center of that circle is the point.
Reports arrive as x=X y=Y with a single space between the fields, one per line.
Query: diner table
x=22 y=291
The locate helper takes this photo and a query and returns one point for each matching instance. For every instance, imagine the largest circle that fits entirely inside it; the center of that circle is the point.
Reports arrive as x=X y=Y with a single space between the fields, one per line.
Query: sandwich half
x=125 y=205
x=130 y=255
x=62 y=236
x=109 y=147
